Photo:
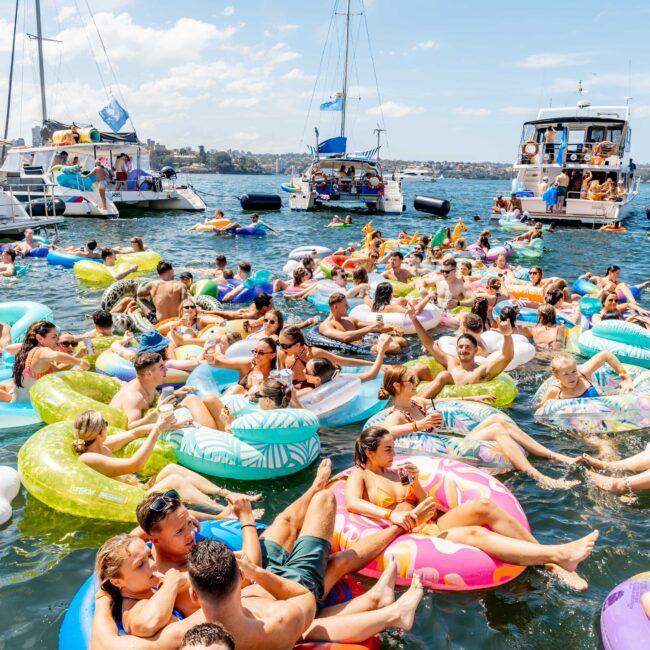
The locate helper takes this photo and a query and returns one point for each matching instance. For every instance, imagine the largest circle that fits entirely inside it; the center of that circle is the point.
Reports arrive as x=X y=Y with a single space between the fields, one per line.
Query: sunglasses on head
x=163 y=501
x=69 y=344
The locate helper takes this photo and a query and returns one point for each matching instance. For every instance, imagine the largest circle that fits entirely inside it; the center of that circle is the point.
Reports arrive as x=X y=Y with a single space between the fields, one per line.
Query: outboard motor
x=432 y=205
x=260 y=202
x=45 y=207
x=168 y=172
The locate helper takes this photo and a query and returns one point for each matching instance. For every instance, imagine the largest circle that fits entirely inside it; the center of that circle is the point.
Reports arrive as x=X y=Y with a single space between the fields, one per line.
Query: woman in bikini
x=294 y=355
x=548 y=334
x=374 y=490
x=38 y=356
x=383 y=301
x=411 y=413
x=614 y=310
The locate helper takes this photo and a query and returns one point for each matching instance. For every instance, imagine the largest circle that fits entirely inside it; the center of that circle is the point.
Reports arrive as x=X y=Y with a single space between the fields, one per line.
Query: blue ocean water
x=46 y=555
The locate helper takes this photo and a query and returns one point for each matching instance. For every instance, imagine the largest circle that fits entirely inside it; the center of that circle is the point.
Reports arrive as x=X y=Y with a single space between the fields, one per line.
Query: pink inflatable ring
x=443 y=565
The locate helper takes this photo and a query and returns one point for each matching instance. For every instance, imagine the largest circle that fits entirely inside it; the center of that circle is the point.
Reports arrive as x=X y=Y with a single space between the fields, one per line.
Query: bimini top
x=573 y=120
x=50 y=126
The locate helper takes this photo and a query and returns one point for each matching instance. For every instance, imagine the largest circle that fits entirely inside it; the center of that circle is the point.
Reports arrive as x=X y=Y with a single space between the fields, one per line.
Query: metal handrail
x=580 y=151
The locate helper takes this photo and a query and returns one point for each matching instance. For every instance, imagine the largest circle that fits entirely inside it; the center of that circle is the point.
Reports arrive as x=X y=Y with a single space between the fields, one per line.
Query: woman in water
x=374 y=489
x=548 y=334
x=38 y=356
x=615 y=310
x=611 y=282
x=411 y=413
x=383 y=301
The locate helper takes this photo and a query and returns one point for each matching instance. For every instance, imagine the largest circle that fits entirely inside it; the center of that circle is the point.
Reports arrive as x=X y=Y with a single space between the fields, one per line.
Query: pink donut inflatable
x=495 y=251
x=443 y=565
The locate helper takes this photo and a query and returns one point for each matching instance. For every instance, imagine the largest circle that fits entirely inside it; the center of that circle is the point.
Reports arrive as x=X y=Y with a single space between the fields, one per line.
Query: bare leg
x=637 y=463
x=434 y=387
x=358 y=627
x=200 y=483
x=286 y=526
x=188 y=493
x=206 y=411
x=102 y=196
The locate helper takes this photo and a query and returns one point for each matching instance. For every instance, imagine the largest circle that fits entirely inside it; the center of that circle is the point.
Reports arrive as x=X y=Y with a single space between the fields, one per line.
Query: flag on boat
x=562 y=149
x=333 y=145
x=335 y=104
x=114 y=115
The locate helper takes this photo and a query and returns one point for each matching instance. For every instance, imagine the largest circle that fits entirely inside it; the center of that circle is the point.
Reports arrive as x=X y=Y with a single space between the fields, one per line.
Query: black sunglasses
x=286 y=346
x=160 y=504
x=69 y=344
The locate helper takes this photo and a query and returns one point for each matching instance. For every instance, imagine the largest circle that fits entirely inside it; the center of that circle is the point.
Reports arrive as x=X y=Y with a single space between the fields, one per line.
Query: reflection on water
x=46 y=555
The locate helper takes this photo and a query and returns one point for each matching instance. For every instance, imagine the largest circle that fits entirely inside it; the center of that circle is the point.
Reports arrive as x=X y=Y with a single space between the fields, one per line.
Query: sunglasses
x=159 y=505
x=258 y=396
x=447 y=271
x=270 y=320
x=261 y=353
x=286 y=346
x=189 y=306
x=69 y=344
x=533 y=273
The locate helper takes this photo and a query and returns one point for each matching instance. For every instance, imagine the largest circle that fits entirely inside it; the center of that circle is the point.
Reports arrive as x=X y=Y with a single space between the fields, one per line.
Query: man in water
x=101 y=181
x=165 y=293
x=463 y=369
x=220 y=265
x=262 y=303
x=341 y=327
x=108 y=256
x=28 y=244
x=395 y=271
x=7 y=268
x=255 y=222
x=451 y=290
x=89 y=250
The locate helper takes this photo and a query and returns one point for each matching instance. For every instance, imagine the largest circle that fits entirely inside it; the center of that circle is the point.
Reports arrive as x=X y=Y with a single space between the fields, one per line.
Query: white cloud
x=66 y=13
x=243 y=102
x=554 y=60
x=289 y=28
x=471 y=112
x=641 y=111
x=279 y=54
x=394 y=109
x=248 y=86
x=6 y=32
x=228 y=11
x=296 y=74
x=425 y=45
x=518 y=110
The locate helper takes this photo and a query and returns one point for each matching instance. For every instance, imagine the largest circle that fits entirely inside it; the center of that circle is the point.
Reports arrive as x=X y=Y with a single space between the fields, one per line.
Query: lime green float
x=63 y=395
x=51 y=471
x=502 y=387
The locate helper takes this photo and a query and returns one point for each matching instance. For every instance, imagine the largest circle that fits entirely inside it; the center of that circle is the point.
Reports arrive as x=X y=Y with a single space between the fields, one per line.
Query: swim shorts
x=120 y=176
x=561 y=190
x=102 y=184
x=305 y=564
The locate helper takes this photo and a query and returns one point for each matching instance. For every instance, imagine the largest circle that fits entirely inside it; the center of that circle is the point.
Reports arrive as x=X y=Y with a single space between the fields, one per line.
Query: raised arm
x=382 y=346
x=427 y=342
x=337 y=360
x=349 y=336
x=598 y=360
x=493 y=368
x=116 y=441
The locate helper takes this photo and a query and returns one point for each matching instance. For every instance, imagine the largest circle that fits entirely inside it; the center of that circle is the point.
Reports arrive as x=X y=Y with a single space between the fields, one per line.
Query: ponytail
x=369 y=440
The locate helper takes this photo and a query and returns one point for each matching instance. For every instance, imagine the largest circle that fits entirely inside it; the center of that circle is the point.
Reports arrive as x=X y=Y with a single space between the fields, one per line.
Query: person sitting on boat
x=609 y=189
x=394 y=269
x=101 y=181
x=60 y=158
x=514 y=203
x=347 y=329
x=542 y=186
x=595 y=191
x=587 y=177
x=7 y=267
x=562 y=182
x=137 y=246
x=374 y=489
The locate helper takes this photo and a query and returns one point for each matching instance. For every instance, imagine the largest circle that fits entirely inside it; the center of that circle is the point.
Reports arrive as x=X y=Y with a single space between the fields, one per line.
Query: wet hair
x=470 y=337
x=145 y=360
x=360 y=275
x=164 y=267
x=11 y=252
x=324 y=369
x=307 y=261
x=262 y=300
x=494 y=283
x=149 y=519
x=87 y=426
x=392 y=376
x=546 y=315
x=108 y=561
x=612 y=268
x=424 y=240
x=508 y=313
x=138 y=242
x=298 y=273
x=484 y=240
x=383 y=295
x=228 y=274
x=553 y=296
x=460 y=244
x=106 y=253
x=480 y=307
x=91 y=245
x=272 y=343
x=294 y=333
x=474 y=323
x=245 y=267
x=39 y=328
x=560 y=360
x=336 y=297
x=205 y=635
x=277 y=391
x=213 y=570
x=369 y=440
x=102 y=318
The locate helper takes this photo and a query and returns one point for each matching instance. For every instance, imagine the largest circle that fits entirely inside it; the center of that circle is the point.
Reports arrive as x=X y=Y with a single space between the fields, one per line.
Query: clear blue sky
x=457 y=79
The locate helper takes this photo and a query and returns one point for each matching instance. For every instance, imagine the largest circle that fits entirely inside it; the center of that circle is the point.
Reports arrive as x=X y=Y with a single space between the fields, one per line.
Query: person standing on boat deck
x=562 y=181
x=120 y=172
x=549 y=138
x=101 y=180
x=621 y=192
x=542 y=186
x=584 y=186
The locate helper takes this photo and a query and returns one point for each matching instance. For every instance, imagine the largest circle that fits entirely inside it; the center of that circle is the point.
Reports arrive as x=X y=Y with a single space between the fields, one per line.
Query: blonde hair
x=560 y=361
x=87 y=426
x=392 y=376
x=108 y=561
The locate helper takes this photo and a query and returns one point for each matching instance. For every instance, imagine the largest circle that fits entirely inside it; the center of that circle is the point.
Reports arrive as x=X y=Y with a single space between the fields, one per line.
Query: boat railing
x=582 y=153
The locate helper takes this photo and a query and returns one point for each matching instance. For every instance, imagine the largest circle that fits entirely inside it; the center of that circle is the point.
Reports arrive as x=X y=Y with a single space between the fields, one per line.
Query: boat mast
x=345 y=69
x=11 y=77
x=39 y=38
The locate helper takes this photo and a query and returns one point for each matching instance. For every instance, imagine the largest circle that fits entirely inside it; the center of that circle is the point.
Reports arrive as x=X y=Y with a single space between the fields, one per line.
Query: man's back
x=167 y=296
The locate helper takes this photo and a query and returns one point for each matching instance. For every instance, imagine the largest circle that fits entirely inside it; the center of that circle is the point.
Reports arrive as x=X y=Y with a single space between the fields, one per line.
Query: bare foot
x=572 y=580
x=384 y=589
x=575 y=552
x=594 y=462
x=408 y=603
x=567 y=460
x=608 y=483
x=549 y=483
x=322 y=474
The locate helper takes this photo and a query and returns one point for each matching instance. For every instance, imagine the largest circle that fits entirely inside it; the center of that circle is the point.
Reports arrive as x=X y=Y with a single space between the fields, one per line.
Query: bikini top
x=28 y=372
x=612 y=314
x=591 y=391
x=301 y=383
x=409 y=418
x=385 y=499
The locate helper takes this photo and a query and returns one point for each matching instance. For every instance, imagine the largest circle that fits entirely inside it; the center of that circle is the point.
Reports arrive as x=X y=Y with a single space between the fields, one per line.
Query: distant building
x=280 y=166
x=37 y=140
x=18 y=142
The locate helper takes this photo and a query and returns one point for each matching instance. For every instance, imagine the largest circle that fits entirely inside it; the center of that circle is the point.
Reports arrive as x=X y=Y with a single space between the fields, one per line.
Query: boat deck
x=17 y=225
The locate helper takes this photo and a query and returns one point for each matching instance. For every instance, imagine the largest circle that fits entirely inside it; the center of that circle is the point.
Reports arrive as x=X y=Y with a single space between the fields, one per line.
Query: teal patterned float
x=611 y=412
x=261 y=445
x=628 y=342
x=460 y=418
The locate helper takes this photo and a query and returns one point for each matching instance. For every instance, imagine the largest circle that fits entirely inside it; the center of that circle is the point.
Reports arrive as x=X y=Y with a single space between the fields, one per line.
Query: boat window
x=43 y=159
x=614 y=133
x=11 y=163
x=596 y=134
x=576 y=136
x=528 y=133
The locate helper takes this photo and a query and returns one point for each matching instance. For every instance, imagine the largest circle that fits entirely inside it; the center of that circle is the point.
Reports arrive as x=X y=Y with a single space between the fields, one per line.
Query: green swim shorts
x=305 y=564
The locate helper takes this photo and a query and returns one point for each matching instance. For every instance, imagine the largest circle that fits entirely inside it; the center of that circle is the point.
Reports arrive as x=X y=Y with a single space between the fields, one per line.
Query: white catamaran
x=339 y=178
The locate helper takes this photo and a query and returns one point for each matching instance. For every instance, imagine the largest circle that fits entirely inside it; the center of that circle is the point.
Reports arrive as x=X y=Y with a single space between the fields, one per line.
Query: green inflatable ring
x=51 y=471
x=63 y=395
x=502 y=387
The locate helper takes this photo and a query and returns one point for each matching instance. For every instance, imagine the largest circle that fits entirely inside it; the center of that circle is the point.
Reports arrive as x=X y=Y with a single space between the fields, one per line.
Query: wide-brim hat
x=152 y=341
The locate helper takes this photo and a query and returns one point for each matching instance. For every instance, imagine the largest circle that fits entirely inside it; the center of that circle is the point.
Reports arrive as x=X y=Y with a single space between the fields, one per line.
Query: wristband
x=415 y=427
x=245 y=525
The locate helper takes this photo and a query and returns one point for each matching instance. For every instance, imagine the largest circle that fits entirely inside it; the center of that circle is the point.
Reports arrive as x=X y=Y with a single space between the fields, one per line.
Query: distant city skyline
x=456 y=81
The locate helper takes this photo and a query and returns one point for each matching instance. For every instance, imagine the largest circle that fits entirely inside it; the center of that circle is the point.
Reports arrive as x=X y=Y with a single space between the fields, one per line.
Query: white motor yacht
x=420 y=173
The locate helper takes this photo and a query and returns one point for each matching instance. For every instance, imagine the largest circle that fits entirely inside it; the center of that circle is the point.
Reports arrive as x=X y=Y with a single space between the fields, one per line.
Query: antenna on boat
x=345 y=69
x=39 y=38
x=378 y=131
x=11 y=76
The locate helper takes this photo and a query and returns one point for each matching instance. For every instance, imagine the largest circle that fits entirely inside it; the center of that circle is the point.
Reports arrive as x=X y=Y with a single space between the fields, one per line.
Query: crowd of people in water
x=164 y=586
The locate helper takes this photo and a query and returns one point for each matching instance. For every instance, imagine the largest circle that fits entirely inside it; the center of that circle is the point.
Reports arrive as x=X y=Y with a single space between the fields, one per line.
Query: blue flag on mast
x=335 y=104
x=114 y=115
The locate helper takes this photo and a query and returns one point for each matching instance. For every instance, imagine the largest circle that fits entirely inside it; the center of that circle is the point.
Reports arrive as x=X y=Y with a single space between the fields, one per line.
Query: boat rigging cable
x=11 y=76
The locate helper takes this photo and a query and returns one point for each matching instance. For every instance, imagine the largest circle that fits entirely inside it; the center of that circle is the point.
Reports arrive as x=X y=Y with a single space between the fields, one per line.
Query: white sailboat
x=339 y=178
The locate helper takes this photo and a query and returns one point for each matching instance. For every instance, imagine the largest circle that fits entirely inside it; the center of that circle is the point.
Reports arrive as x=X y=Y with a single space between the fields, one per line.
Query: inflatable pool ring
x=528 y=316
x=331 y=262
x=100 y=344
x=502 y=387
x=92 y=272
x=39 y=251
x=208 y=303
x=524 y=350
x=428 y=317
x=341 y=224
x=293 y=291
x=251 y=230
x=400 y=289
x=261 y=445
x=145 y=260
x=117 y=291
x=9 y=489
x=526 y=292
x=460 y=418
x=590 y=306
x=533 y=250
x=60 y=258
x=345 y=399
x=75 y=181
x=443 y=565
x=290 y=187
x=451 y=318
x=17 y=418
x=63 y=395
x=611 y=412
x=314 y=337
x=628 y=342
x=623 y=621
x=307 y=251
x=258 y=284
x=320 y=296
x=20 y=314
x=235 y=325
x=584 y=287
x=494 y=252
x=51 y=471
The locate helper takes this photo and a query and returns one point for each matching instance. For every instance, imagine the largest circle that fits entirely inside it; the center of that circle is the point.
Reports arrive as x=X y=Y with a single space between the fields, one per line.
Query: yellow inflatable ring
x=51 y=471
x=225 y=328
x=145 y=260
x=502 y=387
x=63 y=395
x=401 y=289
